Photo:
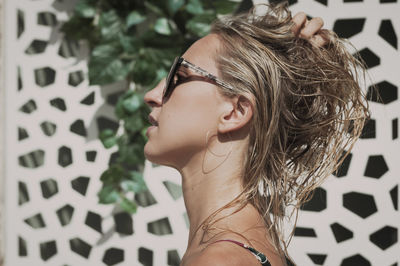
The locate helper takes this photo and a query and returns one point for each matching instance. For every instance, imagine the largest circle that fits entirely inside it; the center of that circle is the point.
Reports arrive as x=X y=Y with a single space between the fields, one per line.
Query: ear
x=236 y=114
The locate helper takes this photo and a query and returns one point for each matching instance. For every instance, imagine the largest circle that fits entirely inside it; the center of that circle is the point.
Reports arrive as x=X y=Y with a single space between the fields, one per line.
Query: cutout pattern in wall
x=353 y=218
x=54 y=159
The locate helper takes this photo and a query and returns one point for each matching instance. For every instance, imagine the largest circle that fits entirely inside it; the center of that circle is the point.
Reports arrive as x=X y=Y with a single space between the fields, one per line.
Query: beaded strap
x=260 y=256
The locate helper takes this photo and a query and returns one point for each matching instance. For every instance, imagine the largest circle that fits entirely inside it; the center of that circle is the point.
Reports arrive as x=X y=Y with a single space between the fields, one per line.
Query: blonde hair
x=308 y=109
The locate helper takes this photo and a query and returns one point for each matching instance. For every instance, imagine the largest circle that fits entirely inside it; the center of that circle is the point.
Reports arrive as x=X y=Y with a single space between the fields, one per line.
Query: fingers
x=311 y=28
x=299 y=22
x=318 y=40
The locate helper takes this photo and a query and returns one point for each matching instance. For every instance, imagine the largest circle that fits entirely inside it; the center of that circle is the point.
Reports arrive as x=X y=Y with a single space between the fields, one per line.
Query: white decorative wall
x=357 y=217
x=1 y=136
x=53 y=159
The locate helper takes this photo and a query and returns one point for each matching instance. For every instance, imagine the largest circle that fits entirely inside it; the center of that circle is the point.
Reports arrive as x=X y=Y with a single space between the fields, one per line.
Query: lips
x=153 y=121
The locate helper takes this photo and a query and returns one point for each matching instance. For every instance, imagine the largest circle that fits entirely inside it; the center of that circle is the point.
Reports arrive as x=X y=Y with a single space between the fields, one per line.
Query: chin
x=151 y=156
x=157 y=158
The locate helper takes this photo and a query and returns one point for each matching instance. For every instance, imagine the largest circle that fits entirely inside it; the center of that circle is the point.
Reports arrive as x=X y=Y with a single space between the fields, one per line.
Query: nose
x=154 y=96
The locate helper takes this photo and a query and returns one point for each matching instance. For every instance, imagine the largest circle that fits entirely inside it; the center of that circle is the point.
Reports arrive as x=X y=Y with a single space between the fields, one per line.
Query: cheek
x=189 y=115
x=184 y=121
x=185 y=126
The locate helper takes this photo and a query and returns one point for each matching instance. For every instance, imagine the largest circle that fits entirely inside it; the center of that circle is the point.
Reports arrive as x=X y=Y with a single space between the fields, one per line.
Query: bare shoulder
x=224 y=254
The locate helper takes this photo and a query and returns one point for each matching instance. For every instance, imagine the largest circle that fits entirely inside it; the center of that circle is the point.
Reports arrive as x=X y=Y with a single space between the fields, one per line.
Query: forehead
x=203 y=51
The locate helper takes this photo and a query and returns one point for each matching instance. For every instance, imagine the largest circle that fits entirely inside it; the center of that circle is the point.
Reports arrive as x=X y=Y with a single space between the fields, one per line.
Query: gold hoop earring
x=213 y=152
x=207 y=149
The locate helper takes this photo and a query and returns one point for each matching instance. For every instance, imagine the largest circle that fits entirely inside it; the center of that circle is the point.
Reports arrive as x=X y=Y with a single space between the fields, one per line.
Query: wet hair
x=308 y=109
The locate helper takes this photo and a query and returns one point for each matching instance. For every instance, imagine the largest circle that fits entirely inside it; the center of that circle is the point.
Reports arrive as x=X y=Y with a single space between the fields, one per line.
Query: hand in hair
x=309 y=29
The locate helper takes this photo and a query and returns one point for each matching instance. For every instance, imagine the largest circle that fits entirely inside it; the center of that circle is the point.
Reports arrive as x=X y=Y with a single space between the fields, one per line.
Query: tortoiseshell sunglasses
x=204 y=75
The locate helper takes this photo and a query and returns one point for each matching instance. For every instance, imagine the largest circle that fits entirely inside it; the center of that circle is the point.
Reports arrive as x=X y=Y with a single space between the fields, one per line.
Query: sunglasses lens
x=168 y=84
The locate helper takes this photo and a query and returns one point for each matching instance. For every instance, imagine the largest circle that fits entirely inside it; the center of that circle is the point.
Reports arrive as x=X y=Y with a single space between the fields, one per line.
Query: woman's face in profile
x=190 y=111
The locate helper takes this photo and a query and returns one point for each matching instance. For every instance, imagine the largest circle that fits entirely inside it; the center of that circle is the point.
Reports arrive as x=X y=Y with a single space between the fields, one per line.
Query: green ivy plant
x=135 y=41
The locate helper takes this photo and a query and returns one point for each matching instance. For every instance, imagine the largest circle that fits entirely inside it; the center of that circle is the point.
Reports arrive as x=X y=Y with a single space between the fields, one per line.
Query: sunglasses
x=204 y=76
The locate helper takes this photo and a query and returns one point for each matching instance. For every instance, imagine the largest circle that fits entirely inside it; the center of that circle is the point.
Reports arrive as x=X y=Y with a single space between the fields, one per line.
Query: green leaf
x=108 y=138
x=113 y=175
x=128 y=205
x=132 y=103
x=194 y=7
x=138 y=178
x=85 y=9
x=136 y=184
x=124 y=141
x=140 y=140
x=129 y=185
x=162 y=27
x=134 y=123
x=86 y=29
x=110 y=25
x=120 y=110
x=225 y=7
x=160 y=74
x=131 y=154
x=153 y=8
x=103 y=74
x=174 y=5
x=198 y=27
x=128 y=103
x=105 y=67
x=130 y=45
x=108 y=194
x=143 y=133
x=144 y=70
x=128 y=40
x=134 y=18
x=106 y=51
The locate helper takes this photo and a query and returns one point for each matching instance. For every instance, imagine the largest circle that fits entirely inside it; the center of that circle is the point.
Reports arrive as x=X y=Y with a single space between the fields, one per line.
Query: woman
x=253 y=118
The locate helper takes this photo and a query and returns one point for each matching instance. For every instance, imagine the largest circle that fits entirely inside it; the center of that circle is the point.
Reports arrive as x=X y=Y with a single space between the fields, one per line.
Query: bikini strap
x=260 y=256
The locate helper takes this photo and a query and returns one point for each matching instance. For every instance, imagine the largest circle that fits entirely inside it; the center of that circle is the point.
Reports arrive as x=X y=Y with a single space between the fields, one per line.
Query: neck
x=207 y=188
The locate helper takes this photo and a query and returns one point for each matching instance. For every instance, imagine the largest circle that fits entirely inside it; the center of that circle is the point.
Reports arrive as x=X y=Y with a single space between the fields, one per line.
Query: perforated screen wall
x=53 y=158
